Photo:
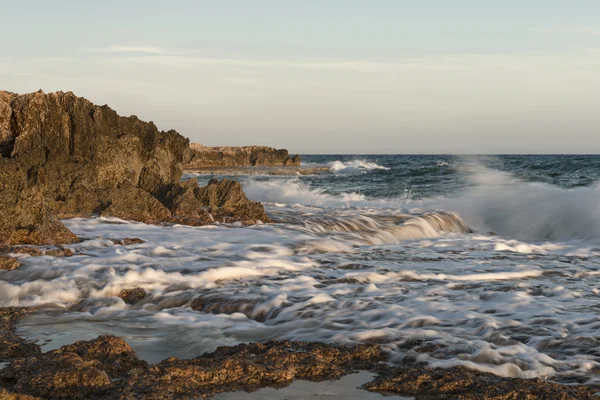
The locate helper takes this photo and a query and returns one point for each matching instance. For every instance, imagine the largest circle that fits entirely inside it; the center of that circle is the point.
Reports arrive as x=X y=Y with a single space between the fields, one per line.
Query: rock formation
x=62 y=156
x=108 y=368
x=247 y=156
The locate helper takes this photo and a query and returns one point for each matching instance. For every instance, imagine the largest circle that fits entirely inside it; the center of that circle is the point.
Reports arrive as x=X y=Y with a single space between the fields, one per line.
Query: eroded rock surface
x=246 y=156
x=107 y=368
x=11 y=345
x=62 y=156
x=132 y=296
x=466 y=384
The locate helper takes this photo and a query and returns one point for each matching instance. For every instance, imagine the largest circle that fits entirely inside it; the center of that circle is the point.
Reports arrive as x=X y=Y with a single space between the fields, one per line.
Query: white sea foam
x=518 y=297
x=325 y=276
x=504 y=204
x=354 y=165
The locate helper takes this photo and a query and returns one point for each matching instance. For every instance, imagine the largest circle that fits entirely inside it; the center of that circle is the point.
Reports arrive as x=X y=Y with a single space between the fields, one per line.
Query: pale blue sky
x=325 y=76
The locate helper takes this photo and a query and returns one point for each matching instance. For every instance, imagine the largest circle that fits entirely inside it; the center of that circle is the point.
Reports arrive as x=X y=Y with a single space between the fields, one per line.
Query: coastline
x=257 y=170
x=63 y=157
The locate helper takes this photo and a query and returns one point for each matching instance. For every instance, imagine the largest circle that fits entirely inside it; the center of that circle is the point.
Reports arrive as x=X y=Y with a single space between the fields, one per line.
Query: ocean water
x=487 y=262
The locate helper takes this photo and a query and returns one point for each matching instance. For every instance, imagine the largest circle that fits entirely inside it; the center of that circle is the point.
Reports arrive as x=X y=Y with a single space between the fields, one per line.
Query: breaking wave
x=354 y=165
x=506 y=205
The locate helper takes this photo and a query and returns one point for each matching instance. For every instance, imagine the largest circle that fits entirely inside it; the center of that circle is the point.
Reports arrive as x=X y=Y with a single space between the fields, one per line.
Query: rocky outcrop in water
x=246 y=156
x=466 y=384
x=62 y=156
x=107 y=368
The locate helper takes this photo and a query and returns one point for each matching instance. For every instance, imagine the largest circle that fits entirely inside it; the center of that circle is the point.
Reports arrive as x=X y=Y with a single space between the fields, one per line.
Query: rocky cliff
x=62 y=156
x=247 y=156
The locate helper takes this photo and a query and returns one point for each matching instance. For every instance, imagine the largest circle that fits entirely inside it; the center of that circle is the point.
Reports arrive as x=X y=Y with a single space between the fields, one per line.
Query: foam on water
x=425 y=279
x=354 y=165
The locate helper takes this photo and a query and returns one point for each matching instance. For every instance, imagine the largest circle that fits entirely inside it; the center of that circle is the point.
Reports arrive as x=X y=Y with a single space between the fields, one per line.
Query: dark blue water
x=437 y=175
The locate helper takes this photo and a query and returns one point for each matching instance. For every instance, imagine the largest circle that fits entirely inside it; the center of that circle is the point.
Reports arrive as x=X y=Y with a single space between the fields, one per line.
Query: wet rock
x=64 y=375
x=252 y=365
x=59 y=251
x=203 y=156
x=466 y=384
x=128 y=241
x=6 y=395
x=11 y=345
x=62 y=156
x=114 y=354
x=106 y=367
x=228 y=203
x=217 y=304
x=132 y=296
x=185 y=205
x=9 y=263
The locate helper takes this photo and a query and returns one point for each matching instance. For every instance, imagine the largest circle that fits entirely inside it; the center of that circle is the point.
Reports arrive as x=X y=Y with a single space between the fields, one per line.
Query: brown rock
x=59 y=252
x=6 y=395
x=11 y=345
x=128 y=241
x=466 y=384
x=228 y=203
x=132 y=296
x=9 y=263
x=246 y=156
x=62 y=156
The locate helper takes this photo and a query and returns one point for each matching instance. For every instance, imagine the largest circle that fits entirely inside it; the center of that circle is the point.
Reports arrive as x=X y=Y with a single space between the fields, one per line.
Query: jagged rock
x=227 y=202
x=107 y=368
x=62 y=156
x=467 y=384
x=132 y=296
x=203 y=156
x=186 y=206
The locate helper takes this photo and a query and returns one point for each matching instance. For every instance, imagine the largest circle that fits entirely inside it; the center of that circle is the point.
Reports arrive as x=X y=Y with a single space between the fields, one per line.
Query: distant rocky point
x=246 y=156
x=62 y=156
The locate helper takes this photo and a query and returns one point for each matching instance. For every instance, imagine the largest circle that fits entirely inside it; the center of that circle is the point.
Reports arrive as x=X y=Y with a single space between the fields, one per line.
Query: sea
x=490 y=262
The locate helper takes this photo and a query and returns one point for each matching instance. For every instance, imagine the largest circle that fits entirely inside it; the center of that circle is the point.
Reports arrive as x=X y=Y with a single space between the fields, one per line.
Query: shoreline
x=108 y=368
x=256 y=170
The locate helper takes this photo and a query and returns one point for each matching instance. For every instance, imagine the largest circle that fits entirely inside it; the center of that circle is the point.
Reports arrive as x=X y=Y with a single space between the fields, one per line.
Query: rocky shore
x=246 y=156
x=108 y=368
x=62 y=156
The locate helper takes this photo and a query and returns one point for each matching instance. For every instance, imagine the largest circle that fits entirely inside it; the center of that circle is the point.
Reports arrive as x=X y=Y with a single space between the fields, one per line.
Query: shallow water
x=485 y=264
x=346 y=388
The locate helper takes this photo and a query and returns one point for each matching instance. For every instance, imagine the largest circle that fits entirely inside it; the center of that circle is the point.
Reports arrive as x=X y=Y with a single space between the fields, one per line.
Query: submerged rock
x=132 y=296
x=62 y=156
x=127 y=241
x=9 y=263
x=246 y=156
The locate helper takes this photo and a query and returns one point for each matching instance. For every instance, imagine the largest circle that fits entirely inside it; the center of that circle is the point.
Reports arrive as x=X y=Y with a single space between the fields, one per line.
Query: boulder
x=227 y=202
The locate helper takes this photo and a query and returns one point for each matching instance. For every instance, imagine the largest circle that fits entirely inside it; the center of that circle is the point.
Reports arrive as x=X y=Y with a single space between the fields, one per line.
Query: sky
x=325 y=76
